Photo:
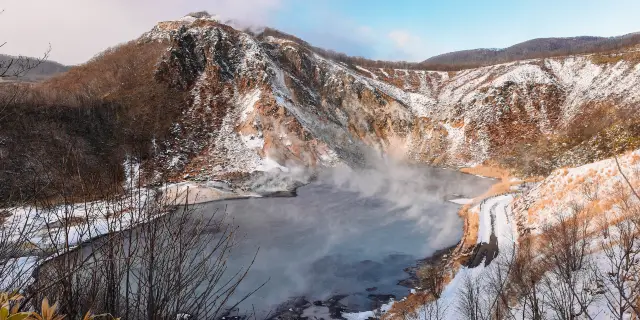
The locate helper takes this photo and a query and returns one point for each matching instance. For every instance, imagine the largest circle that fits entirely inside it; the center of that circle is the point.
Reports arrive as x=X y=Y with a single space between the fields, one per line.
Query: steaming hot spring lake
x=344 y=233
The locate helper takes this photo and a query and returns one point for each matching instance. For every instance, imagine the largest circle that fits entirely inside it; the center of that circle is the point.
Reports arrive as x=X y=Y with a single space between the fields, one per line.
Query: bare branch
x=626 y=179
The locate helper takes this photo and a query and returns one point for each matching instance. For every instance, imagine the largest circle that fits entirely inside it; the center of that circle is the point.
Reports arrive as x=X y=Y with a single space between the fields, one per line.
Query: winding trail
x=486 y=251
x=497 y=235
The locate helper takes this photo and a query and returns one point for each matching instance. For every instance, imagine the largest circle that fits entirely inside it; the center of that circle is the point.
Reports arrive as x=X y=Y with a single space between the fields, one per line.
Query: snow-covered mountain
x=262 y=102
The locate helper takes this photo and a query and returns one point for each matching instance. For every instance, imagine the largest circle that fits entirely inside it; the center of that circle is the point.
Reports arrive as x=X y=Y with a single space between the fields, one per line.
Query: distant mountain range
x=451 y=61
x=533 y=49
x=43 y=71
x=468 y=59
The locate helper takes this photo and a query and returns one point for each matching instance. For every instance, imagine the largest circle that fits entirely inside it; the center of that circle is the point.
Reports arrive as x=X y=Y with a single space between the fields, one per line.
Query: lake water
x=349 y=233
x=346 y=233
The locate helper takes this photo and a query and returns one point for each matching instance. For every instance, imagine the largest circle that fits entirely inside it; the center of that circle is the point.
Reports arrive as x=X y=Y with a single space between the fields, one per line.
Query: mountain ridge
x=474 y=58
x=40 y=71
x=194 y=99
x=537 y=48
x=546 y=47
x=459 y=111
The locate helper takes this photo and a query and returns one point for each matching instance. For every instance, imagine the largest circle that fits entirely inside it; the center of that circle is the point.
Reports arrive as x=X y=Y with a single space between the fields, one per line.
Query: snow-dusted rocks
x=262 y=100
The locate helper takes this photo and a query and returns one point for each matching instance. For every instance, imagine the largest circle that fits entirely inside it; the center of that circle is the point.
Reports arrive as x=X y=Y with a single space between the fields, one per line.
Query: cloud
x=367 y=41
x=79 y=29
x=407 y=45
x=401 y=37
x=244 y=12
x=364 y=30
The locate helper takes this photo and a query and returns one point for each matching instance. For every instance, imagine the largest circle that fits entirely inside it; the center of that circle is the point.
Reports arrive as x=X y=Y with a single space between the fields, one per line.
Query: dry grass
x=407 y=307
x=507 y=180
x=470 y=229
x=458 y=124
x=487 y=171
x=603 y=59
x=490 y=171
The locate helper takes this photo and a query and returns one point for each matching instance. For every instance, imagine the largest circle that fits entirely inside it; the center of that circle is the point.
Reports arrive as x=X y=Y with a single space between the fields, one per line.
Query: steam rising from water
x=348 y=231
x=414 y=191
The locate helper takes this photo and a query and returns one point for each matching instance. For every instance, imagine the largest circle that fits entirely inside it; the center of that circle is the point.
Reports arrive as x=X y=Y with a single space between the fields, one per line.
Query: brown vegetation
x=73 y=132
x=536 y=49
x=613 y=58
x=600 y=131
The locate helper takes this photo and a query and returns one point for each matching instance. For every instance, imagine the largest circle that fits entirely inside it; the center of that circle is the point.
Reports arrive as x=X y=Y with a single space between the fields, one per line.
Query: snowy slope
x=261 y=103
x=595 y=185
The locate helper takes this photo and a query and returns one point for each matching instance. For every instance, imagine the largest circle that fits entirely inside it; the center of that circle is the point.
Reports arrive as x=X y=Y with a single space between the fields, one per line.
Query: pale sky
x=410 y=30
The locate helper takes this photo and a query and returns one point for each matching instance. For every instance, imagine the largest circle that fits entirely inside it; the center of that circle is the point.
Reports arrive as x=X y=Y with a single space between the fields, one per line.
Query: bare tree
x=145 y=257
x=472 y=302
x=620 y=246
x=525 y=280
x=15 y=67
x=18 y=256
x=569 y=286
x=497 y=283
x=432 y=279
x=432 y=308
x=19 y=66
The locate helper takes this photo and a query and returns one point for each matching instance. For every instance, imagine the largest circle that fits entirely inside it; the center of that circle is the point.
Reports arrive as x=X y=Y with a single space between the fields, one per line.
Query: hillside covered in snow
x=194 y=99
x=280 y=105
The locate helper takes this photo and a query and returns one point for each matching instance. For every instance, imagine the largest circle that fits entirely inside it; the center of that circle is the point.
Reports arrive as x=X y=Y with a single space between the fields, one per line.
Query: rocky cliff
x=258 y=102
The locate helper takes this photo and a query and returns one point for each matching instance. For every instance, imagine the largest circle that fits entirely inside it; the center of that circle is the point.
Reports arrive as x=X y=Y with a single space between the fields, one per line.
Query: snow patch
x=248 y=102
x=373 y=75
x=269 y=164
x=368 y=314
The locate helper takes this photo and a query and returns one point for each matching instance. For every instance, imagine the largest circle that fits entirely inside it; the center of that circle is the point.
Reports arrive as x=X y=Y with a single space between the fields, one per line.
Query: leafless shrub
x=621 y=249
x=568 y=285
x=526 y=278
x=497 y=284
x=488 y=294
x=432 y=279
x=434 y=310
x=472 y=303
x=16 y=250
x=172 y=260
